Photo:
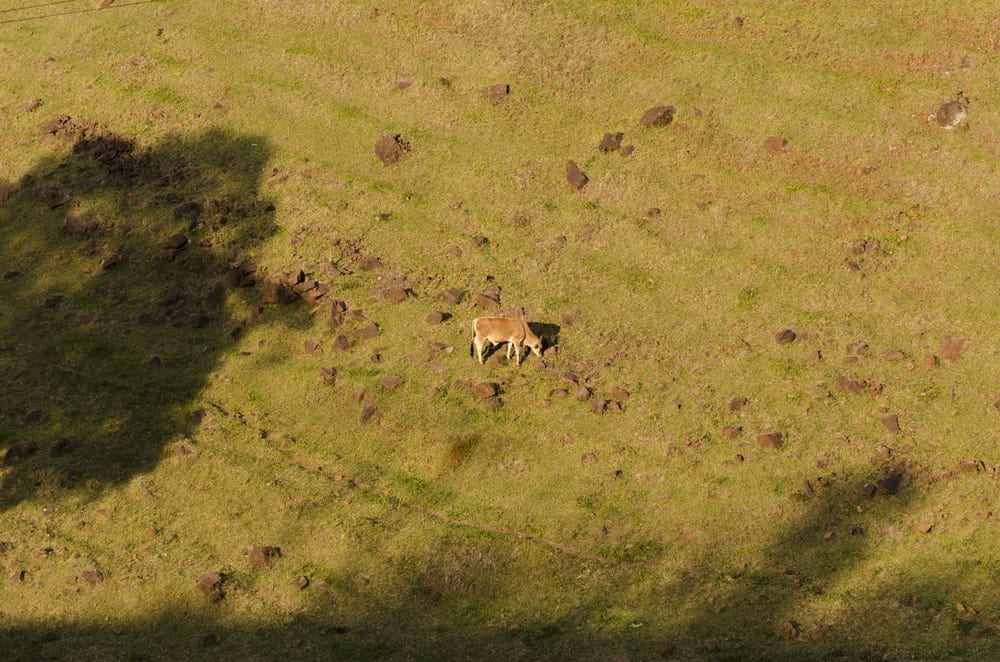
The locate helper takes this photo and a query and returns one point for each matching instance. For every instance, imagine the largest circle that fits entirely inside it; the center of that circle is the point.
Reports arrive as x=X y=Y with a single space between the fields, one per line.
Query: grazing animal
x=495 y=330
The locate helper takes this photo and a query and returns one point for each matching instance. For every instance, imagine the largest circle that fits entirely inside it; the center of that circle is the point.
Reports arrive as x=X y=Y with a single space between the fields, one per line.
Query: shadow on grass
x=118 y=263
x=447 y=600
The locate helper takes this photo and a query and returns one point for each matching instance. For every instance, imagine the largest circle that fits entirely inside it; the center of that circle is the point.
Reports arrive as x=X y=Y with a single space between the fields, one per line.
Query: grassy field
x=765 y=428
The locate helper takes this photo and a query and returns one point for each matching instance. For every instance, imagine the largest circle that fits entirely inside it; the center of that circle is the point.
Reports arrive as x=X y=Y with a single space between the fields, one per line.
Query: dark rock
x=329 y=375
x=301 y=582
x=851 y=385
x=597 y=404
x=864 y=489
x=368 y=331
x=894 y=355
x=611 y=142
x=341 y=342
x=738 y=403
x=19 y=452
x=277 y=290
x=485 y=390
x=891 y=422
x=488 y=302
x=969 y=466
x=61 y=446
x=310 y=346
x=174 y=242
x=582 y=393
x=11 y=275
x=390 y=148
x=618 y=393
x=497 y=93
x=260 y=555
x=367 y=413
x=390 y=382
x=771 y=440
x=576 y=177
x=929 y=361
x=199 y=320
x=658 y=116
x=210 y=582
x=33 y=105
x=590 y=457
x=434 y=317
x=493 y=403
x=479 y=240
x=53 y=301
x=453 y=296
x=776 y=144
x=731 y=431
x=891 y=483
x=240 y=276
x=396 y=294
x=785 y=336
x=627 y=150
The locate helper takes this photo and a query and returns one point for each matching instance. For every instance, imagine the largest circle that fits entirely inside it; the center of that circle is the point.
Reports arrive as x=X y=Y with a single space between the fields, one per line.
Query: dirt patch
x=498 y=93
x=776 y=145
x=260 y=556
x=952 y=348
x=391 y=148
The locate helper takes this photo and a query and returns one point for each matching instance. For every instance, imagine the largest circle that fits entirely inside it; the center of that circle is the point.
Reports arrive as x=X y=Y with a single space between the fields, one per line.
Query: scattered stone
x=11 y=275
x=479 y=240
x=453 y=296
x=311 y=346
x=738 y=403
x=771 y=440
x=368 y=331
x=790 y=630
x=929 y=361
x=776 y=144
x=785 y=336
x=398 y=294
x=174 y=242
x=488 y=302
x=658 y=116
x=891 y=483
x=627 y=150
x=211 y=584
x=611 y=142
x=367 y=413
x=891 y=423
x=199 y=320
x=616 y=407
x=434 y=317
x=851 y=385
x=53 y=301
x=576 y=177
x=864 y=489
x=618 y=393
x=583 y=393
x=493 y=403
x=484 y=390
x=497 y=93
x=590 y=457
x=390 y=382
x=390 y=148
x=61 y=446
x=301 y=582
x=341 y=342
x=894 y=355
x=240 y=276
x=19 y=452
x=952 y=348
x=952 y=113
x=260 y=556
x=598 y=404
x=33 y=105
x=731 y=431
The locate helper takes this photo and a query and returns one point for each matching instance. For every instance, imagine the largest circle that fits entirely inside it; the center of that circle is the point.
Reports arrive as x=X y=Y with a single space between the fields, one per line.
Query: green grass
x=176 y=424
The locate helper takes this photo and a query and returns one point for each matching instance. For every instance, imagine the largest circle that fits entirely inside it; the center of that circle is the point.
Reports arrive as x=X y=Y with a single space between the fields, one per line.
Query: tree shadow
x=118 y=265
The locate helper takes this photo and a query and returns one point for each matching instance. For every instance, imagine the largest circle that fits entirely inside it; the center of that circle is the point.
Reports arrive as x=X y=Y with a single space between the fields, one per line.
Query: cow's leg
x=479 y=342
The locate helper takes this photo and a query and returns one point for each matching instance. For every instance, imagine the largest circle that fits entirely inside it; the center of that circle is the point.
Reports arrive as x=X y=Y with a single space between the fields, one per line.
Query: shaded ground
x=108 y=329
